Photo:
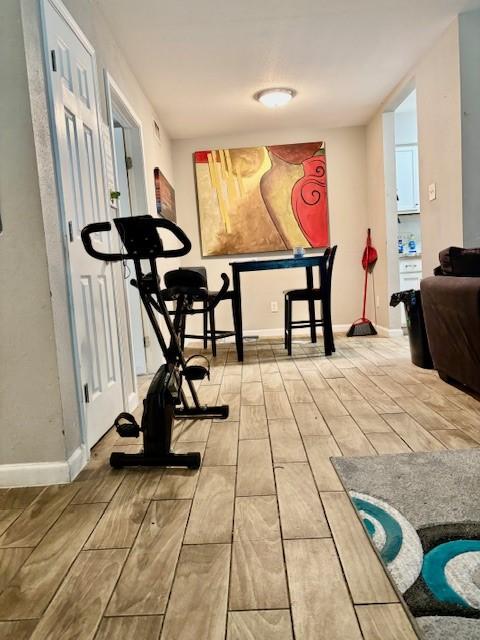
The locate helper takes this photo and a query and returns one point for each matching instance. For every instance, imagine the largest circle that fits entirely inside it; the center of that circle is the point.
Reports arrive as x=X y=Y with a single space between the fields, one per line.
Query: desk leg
x=311 y=306
x=237 y=314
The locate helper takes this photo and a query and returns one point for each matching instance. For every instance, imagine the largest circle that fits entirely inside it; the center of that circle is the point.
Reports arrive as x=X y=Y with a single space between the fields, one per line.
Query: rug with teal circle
x=422 y=513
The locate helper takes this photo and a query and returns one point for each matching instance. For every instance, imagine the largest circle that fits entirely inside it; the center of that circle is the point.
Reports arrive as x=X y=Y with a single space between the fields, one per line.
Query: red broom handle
x=366 y=278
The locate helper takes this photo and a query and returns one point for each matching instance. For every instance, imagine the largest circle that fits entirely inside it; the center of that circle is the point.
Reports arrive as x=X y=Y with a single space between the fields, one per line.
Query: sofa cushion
x=456 y=261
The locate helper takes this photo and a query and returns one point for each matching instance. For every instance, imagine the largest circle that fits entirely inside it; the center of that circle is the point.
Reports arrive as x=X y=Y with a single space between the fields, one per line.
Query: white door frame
x=118 y=105
x=390 y=187
x=126 y=116
x=70 y=21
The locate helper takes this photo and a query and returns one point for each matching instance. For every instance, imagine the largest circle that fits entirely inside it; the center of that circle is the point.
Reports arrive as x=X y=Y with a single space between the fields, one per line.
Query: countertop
x=403 y=256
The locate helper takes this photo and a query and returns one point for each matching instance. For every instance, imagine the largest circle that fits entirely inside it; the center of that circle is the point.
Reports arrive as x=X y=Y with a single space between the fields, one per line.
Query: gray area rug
x=422 y=512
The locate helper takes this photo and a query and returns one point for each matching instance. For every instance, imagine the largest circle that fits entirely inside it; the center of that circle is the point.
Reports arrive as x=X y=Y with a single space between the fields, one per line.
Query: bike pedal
x=129 y=428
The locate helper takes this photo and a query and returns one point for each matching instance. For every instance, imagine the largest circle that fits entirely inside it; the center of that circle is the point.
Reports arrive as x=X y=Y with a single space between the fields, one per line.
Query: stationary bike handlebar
x=139 y=225
x=97 y=227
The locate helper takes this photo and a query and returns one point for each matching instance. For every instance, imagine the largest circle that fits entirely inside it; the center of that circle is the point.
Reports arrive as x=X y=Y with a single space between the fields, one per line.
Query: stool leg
x=311 y=317
x=289 y=325
x=213 y=335
x=327 y=328
x=285 y=321
x=330 y=327
x=311 y=305
x=234 y=316
x=205 y=324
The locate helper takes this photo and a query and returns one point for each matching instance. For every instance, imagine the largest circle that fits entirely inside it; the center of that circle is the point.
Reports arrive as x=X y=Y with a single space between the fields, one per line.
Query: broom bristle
x=365 y=328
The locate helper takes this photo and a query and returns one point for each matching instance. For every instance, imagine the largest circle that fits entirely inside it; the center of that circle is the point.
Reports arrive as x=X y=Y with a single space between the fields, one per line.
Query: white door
x=72 y=74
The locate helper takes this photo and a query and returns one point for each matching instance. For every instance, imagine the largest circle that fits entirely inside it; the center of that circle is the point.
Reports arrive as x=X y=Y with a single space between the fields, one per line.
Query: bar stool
x=210 y=332
x=322 y=294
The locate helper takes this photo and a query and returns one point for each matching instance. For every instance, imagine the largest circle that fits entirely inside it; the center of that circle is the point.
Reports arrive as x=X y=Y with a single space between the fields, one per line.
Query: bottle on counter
x=412 y=245
x=400 y=246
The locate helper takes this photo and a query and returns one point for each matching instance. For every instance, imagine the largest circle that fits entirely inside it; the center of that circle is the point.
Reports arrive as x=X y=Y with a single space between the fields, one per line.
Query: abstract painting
x=164 y=196
x=259 y=199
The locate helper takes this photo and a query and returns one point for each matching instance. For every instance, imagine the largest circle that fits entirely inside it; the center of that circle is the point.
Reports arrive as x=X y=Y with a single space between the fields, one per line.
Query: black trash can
x=417 y=335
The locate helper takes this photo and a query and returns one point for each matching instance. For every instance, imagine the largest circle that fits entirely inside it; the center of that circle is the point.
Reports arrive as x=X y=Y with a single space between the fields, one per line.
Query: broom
x=363 y=326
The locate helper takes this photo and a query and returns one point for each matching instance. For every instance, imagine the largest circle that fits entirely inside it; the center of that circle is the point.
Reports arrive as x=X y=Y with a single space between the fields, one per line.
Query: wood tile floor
x=261 y=542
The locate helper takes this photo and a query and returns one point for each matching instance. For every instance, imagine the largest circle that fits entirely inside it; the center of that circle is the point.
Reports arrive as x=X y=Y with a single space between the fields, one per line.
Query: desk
x=240 y=266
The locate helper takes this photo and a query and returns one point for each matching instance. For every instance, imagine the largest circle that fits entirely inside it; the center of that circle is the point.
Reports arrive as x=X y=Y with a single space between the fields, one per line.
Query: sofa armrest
x=453 y=289
x=451 y=307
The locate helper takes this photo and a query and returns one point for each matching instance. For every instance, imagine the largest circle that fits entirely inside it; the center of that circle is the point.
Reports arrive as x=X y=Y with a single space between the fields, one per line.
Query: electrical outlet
x=377 y=301
x=432 y=191
x=274 y=306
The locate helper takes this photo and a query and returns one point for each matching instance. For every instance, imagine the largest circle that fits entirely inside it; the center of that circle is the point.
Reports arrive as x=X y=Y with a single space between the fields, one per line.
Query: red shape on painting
x=309 y=201
x=201 y=156
x=295 y=153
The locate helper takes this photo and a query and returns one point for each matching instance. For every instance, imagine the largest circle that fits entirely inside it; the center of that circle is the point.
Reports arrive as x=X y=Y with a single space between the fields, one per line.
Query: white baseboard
x=77 y=461
x=29 y=474
x=341 y=328
x=384 y=332
x=274 y=333
x=337 y=328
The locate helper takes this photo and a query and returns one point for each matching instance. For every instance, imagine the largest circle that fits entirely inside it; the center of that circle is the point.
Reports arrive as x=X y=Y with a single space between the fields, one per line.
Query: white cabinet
x=410 y=276
x=408 y=193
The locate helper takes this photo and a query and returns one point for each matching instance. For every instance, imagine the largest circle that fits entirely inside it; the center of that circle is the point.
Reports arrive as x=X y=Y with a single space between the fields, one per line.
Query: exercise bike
x=165 y=399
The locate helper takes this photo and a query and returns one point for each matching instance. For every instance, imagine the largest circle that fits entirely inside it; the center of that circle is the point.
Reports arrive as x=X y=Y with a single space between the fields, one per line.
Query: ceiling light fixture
x=272 y=98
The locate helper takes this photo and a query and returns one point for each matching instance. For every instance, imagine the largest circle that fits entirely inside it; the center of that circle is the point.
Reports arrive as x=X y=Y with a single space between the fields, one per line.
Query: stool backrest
x=201 y=270
x=329 y=260
x=186 y=277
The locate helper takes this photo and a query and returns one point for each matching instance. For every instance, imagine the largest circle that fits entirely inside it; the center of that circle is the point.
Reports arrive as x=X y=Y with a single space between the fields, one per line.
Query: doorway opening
x=123 y=165
x=129 y=174
x=409 y=236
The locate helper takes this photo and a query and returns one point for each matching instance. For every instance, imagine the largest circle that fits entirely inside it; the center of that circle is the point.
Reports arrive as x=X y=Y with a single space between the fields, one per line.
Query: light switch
x=432 y=191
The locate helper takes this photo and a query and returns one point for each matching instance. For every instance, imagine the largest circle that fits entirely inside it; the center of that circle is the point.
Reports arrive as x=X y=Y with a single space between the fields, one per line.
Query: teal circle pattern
x=393 y=531
x=434 y=565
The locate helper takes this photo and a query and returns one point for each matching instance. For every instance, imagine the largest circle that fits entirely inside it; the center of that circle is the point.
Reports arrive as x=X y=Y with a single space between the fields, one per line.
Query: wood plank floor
x=261 y=542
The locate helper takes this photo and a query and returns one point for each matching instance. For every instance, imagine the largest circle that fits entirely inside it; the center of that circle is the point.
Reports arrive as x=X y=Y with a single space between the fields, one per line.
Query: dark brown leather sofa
x=451 y=307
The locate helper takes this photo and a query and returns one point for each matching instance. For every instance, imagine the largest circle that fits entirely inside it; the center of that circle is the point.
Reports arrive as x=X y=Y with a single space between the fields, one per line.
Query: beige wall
x=30 y=409
x=348 y=221
x=469 y=32
x=436 y=78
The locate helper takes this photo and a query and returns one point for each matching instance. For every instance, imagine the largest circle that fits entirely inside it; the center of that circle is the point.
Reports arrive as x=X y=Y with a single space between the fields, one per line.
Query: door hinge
x=70 y=230
x=86 y=392
x=146 y=341
x=53 y=56
x=128 y=163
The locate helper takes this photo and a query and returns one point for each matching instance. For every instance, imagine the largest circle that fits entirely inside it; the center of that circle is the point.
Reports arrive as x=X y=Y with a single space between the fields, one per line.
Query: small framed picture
x=164 y=196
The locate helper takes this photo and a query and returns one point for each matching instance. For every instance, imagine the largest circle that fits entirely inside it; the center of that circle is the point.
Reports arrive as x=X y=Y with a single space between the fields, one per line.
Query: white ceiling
x=200 y=61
